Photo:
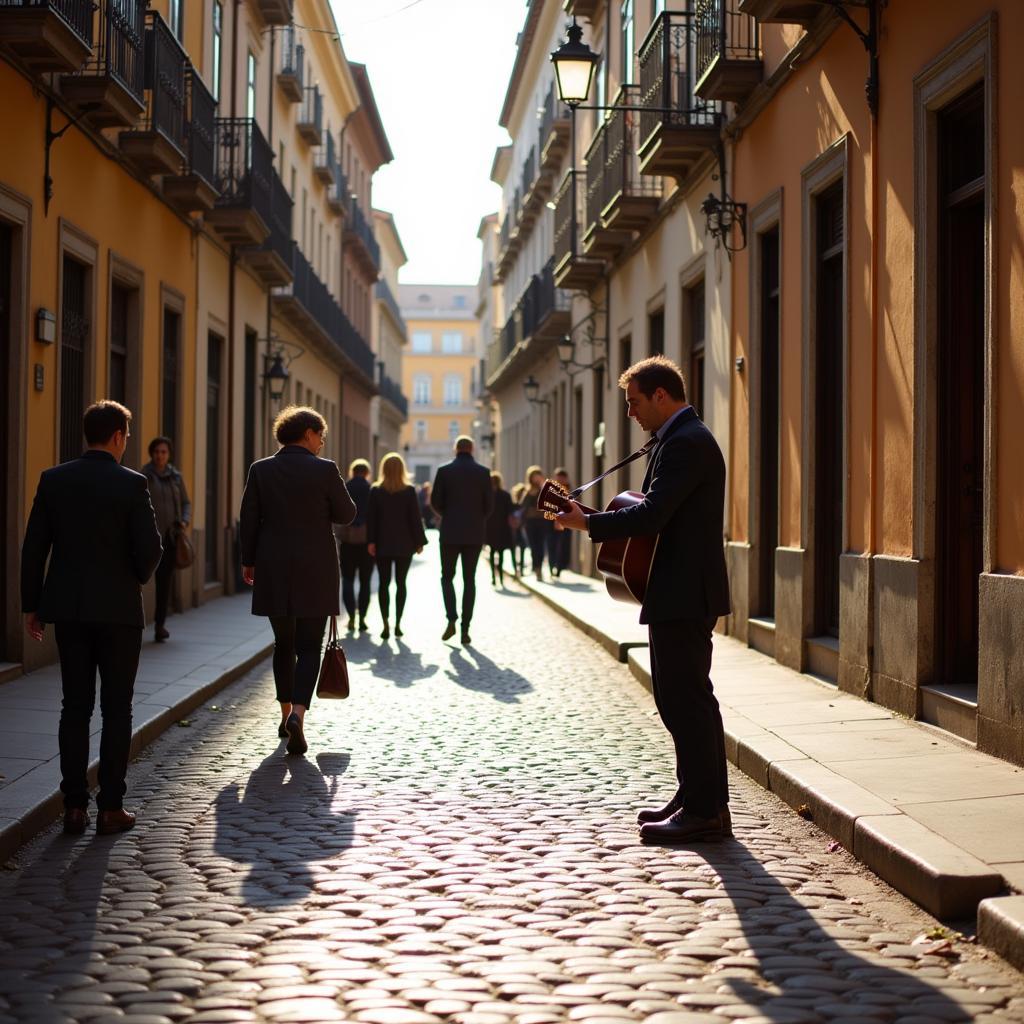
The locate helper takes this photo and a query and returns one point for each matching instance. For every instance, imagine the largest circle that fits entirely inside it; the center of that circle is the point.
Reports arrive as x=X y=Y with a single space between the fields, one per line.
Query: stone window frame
x=766 y=216
x=172 y=299
x=73 y=241
x=129 y=275
x=828 y=168
x=966 y=62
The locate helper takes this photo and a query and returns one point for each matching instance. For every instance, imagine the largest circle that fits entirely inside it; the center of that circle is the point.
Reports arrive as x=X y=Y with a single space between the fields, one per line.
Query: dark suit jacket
x=393 y=522
x=463 y=497
x=684 y=503
x=289 y=505
x=94 y=519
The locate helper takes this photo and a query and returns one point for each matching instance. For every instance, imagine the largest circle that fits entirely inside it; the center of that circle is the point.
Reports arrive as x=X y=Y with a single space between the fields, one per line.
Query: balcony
x=310 y=124
x=54 y=36
x=244 y=166
x=729 y=64
x=358 y=239
x=192 y=188
x=672 y=143
x=583 y=8
x=572 y=269
x=386 y=297
x=309 y=306
x=272 y=260
x=790 y=12
x=508 y=246
x=275 y=12
x=338 y=196
x=553 y=137
x=111 y=84
x=620 y=200
x=293 y=60
x=391 y=391
x=157 y=145
x=324 y=160
x=535 y=187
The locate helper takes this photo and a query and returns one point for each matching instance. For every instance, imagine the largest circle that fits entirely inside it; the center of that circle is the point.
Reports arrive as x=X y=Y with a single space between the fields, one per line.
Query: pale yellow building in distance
x=440 y=374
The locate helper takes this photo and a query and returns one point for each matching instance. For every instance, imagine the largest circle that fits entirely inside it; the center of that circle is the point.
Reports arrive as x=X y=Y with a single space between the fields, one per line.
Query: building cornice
x=523 y=47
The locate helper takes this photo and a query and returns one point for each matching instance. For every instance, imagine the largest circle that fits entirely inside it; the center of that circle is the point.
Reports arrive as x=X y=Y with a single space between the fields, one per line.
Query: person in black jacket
x=463 y=497
x=688 y=589
x=394 y=529
x=94 y=520
x=499 y=530
x=290 y=558
x=354 y=554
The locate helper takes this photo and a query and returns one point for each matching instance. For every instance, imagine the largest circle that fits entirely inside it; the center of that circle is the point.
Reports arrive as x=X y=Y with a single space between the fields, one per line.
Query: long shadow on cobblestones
x=810 y=966
x=400 y=664
x=475 y=671
x=281 y=822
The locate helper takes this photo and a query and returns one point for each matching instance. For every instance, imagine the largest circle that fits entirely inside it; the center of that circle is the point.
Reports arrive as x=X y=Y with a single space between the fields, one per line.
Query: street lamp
x=531 y=389
x=720 y=214
x=276 y=377
x=575 y=63
x=566 y=350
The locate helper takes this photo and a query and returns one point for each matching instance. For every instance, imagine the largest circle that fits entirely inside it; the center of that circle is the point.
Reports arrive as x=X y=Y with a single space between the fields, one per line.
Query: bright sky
x=439 y=70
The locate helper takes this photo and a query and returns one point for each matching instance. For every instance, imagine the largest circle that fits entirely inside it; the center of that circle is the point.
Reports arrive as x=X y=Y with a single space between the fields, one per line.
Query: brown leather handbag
x=184 y=553
x=333 y=681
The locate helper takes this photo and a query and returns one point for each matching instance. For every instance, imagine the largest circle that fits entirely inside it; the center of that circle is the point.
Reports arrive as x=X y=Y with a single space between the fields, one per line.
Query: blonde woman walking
x=394 y=532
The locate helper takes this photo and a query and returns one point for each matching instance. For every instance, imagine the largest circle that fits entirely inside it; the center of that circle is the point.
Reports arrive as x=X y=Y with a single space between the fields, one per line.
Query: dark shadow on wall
x=281 y=821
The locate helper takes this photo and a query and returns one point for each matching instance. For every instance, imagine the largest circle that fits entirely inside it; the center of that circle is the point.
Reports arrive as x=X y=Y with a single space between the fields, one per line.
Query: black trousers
x=401 y=569
x=163 y=576
x=113 y=650
x=297 y=644
x=559 y=549
x=680 y=668
x=497 y=557
x=355 y=563
x=537 y=532
x=450 y=555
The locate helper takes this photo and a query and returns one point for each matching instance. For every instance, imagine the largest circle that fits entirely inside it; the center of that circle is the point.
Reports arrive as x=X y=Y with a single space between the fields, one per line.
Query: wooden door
x=6 y=260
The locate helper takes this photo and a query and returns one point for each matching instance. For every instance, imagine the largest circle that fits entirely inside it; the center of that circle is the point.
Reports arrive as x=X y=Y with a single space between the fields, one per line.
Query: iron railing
x=165 y=74
x=324 y=155
x=567 y=217
x=668 y=75
x=244 y=166
x=316 y=299
x=387 y=296
x=553 y=111
x=76 y=13
x=540 y=299
x=200 y=127
x=118 y=50
x=293 y=55
x=312 y=113
x=509 y=336
x=392 y=391
x=279 y=240
x=529 y=172
x=505 y=232
x=359 y=224
x=722 y=31
x=337 y=191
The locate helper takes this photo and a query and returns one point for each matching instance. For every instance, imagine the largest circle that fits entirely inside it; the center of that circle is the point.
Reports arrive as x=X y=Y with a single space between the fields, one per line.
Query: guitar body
x=626 y=563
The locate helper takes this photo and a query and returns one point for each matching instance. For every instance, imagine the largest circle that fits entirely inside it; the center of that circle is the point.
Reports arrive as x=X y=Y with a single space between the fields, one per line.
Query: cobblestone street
x=459 y=845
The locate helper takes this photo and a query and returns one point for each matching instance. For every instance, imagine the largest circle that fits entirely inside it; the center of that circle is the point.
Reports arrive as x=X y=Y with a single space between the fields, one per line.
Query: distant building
x=441 y=372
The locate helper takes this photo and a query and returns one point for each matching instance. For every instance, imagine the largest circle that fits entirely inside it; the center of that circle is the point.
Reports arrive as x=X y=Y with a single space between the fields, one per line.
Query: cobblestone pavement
x=458 y=846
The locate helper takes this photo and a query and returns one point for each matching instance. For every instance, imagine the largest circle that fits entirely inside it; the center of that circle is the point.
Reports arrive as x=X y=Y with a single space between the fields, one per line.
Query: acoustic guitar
x=625 y=564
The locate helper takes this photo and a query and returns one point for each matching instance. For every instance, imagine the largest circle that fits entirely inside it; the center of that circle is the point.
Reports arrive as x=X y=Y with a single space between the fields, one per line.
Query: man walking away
x=95 y=521
x=463 y=497
x=353 y=550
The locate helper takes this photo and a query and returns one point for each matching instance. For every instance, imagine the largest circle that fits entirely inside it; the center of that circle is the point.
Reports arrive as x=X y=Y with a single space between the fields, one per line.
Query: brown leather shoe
x=661 y=813
x=76 y=821
x=682 y=827
x=110 y=822
x=160 y=634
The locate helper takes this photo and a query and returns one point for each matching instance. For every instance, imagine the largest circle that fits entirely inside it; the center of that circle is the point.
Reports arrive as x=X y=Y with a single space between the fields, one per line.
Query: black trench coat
x=290 y=504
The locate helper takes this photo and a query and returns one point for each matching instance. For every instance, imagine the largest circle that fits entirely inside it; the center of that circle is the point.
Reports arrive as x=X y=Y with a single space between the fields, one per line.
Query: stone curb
x=50 y=807
x=945 y=880
x=1001 y=927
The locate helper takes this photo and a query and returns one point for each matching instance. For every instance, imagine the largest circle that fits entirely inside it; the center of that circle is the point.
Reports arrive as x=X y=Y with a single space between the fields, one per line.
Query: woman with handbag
x=173 y=515
x=394 y=529
x=290 y=505
x=499 y=530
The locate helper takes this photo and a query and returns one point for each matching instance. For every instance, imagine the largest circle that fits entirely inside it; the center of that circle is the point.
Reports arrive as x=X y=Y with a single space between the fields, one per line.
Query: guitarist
x=684 y=495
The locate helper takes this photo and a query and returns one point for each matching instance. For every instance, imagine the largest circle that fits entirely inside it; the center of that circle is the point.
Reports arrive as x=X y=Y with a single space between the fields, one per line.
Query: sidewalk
x=937 y=820
x=209 y=647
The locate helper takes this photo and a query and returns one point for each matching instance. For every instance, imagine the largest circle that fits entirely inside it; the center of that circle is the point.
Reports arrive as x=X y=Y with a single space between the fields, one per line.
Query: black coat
x=684 y=504
x=393 y=522
x=463 y=497
x=289 y=505
x=95 y=521
x=499 y=533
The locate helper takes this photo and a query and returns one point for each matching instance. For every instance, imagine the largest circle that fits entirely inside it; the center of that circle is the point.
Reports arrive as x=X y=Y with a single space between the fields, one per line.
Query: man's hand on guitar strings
x=573 y=519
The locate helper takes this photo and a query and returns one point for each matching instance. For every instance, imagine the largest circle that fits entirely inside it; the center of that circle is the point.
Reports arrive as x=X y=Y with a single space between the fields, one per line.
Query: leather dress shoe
x=296 y=740
x=661 y=813
x=449 y=630
x=160 y=634
x=76 y=821
x=466 y=641
x=109 y=822
x=682 y=827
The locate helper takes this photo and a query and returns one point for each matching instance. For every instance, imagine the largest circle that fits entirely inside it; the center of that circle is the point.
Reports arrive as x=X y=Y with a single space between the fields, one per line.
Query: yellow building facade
x=187 y=203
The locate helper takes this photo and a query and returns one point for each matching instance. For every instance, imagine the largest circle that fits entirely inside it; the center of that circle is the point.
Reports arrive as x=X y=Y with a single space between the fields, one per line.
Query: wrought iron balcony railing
x=293 y=59
x=728 y=50
x=529 y=173
x=337 y=191
x=165 y=64
x=540 y=302
x=279 y=241
x=200 y=127
x=392 y=391
x=311 y=117
x=360 y=227
x=567 y=216
x=244 y=166
x=75 y=14
x=387 y=296
x=324 y=160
